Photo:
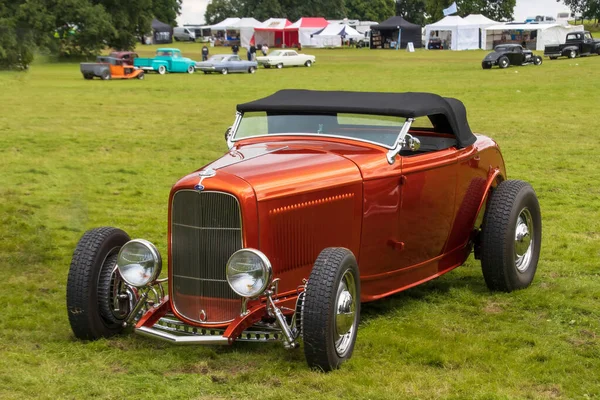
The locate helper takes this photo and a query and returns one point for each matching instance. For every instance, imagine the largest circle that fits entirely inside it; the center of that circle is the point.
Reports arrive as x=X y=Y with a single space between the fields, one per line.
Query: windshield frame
x=402 y=131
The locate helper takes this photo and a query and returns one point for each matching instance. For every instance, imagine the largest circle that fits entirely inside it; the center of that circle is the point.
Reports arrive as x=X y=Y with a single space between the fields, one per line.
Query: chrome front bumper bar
x=169 y=337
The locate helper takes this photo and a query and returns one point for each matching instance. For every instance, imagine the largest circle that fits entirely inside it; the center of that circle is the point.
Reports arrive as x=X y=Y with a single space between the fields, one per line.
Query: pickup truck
x=577 y=44
x=166 y=60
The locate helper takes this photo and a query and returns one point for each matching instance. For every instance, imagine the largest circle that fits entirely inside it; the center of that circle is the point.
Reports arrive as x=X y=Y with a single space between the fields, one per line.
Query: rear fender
x=568 y=49
x=493 y=180
x=158 y=63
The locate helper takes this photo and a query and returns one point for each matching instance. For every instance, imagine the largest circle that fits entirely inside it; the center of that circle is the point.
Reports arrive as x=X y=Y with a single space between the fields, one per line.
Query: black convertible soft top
x=447 y=115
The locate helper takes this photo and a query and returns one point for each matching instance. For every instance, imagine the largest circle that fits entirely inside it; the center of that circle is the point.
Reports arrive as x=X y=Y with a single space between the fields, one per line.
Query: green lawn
x=77 y=154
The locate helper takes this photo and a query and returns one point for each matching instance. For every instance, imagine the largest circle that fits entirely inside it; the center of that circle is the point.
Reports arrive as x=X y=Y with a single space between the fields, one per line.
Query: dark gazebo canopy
x=395 y=22
x=161 y=32
x=409 y=32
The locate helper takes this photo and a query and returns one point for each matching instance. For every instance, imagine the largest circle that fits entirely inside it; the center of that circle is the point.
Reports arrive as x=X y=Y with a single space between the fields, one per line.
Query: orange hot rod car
x=323 y=201
x=107 y=68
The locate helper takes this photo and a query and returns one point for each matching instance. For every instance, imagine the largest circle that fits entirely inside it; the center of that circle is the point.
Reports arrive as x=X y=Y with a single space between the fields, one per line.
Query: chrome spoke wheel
x=523 y=240
x=345 y=317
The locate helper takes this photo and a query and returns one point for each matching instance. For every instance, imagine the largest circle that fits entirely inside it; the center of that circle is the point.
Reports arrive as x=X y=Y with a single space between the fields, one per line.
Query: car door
x=587 y=45
x=427 y=207
x=294 y=58
x=178 y=63
x=236 y=63
x=516 y=56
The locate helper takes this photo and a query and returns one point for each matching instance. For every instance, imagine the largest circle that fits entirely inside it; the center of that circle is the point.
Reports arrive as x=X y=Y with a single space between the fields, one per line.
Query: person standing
x=265 y=49
x=235 y=48
x=204 y=53
x=252 y=52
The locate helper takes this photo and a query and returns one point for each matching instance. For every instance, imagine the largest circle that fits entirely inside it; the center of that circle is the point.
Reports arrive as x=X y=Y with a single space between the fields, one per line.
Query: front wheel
x=141 y=76
x=105 y=76
x=486 y=65
x=308 y=63
x=251 y=70
x=224 y=71
x=511 y=237
x=503 y=62
x=98 y=301
x=162 y=70
x=331 y=309
x=537 y=60
x=279 y=66
x=553 y=58
x=191 y=69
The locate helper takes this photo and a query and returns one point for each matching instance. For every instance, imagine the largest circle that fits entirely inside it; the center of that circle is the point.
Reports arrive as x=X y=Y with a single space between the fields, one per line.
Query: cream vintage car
x=286 y=58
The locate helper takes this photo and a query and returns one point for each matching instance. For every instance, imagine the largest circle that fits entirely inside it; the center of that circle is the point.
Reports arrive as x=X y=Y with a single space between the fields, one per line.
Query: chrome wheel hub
x=345 y=317
x=523 y=240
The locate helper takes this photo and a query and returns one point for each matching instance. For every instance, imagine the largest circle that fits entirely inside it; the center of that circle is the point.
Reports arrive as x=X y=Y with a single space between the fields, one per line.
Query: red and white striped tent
x=301 y=30
x=271 y=32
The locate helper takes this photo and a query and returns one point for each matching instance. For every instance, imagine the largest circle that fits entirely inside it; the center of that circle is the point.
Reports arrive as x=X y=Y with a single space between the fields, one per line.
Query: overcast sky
x=192 y=11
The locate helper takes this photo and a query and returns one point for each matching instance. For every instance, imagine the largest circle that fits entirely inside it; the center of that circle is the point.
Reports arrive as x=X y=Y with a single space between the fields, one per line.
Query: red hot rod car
x=323 y=201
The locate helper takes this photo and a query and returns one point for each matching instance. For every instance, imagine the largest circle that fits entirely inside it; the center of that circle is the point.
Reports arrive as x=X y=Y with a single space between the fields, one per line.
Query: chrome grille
x=206 y=229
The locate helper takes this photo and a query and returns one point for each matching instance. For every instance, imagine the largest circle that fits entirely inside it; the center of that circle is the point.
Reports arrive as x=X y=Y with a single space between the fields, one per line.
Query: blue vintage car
x=166 y=60
x=226 y=63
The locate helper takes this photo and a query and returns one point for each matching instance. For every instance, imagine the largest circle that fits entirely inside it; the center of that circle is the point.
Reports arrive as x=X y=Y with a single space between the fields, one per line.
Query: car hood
x=278 y=169
x=493 y=56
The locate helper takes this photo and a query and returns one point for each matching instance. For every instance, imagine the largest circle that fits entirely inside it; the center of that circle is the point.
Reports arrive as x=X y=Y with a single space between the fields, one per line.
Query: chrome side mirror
x=413 y=143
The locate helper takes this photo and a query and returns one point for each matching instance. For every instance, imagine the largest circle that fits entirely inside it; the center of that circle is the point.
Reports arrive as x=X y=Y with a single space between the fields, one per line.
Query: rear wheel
x=331 y=309
x=553 y=57
x=88 y=76
x=511 y=237
x=251 y=70
x=191 y=69
x=503 y=62
x=486 y=65
x=537 y=60
x=572 y=54
x=162 y=69
x=279 y=66
x=141 y=75
x=224 y=71
x=97 y=297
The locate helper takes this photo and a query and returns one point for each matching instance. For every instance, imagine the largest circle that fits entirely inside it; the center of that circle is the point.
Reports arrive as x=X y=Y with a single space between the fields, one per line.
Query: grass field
x=77 y=154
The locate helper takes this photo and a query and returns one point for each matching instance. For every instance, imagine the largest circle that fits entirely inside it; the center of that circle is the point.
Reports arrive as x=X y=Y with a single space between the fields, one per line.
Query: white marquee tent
x=332 y=34
x=542 y=34
x=482 y=22
x=460 y=34
x=225 y=24
x=246 y=28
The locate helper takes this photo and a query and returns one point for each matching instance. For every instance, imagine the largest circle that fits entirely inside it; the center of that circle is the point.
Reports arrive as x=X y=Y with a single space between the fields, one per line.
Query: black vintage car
x=576 y=44
x=505 y=55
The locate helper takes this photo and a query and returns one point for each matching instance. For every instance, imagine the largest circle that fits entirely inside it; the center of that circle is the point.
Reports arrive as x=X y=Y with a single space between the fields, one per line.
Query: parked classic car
x=323 y=201
x=286 y=58
x=505 y=55
x=226 y=63
x=166 y=60
x=435 y=44
x=110 y=68
x=576 y=44
x=126 y=56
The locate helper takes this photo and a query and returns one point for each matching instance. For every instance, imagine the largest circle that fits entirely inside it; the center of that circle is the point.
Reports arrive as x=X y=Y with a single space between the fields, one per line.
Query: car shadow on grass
x=439 y=290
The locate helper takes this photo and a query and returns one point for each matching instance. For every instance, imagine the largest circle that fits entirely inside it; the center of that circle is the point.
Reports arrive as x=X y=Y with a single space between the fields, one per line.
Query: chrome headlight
x=249 y=272
x=139 y=262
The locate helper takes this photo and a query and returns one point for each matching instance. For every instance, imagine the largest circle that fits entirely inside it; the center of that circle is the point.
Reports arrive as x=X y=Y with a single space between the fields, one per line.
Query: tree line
x=416 y=11
x=75 y=27
x=587 y=9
